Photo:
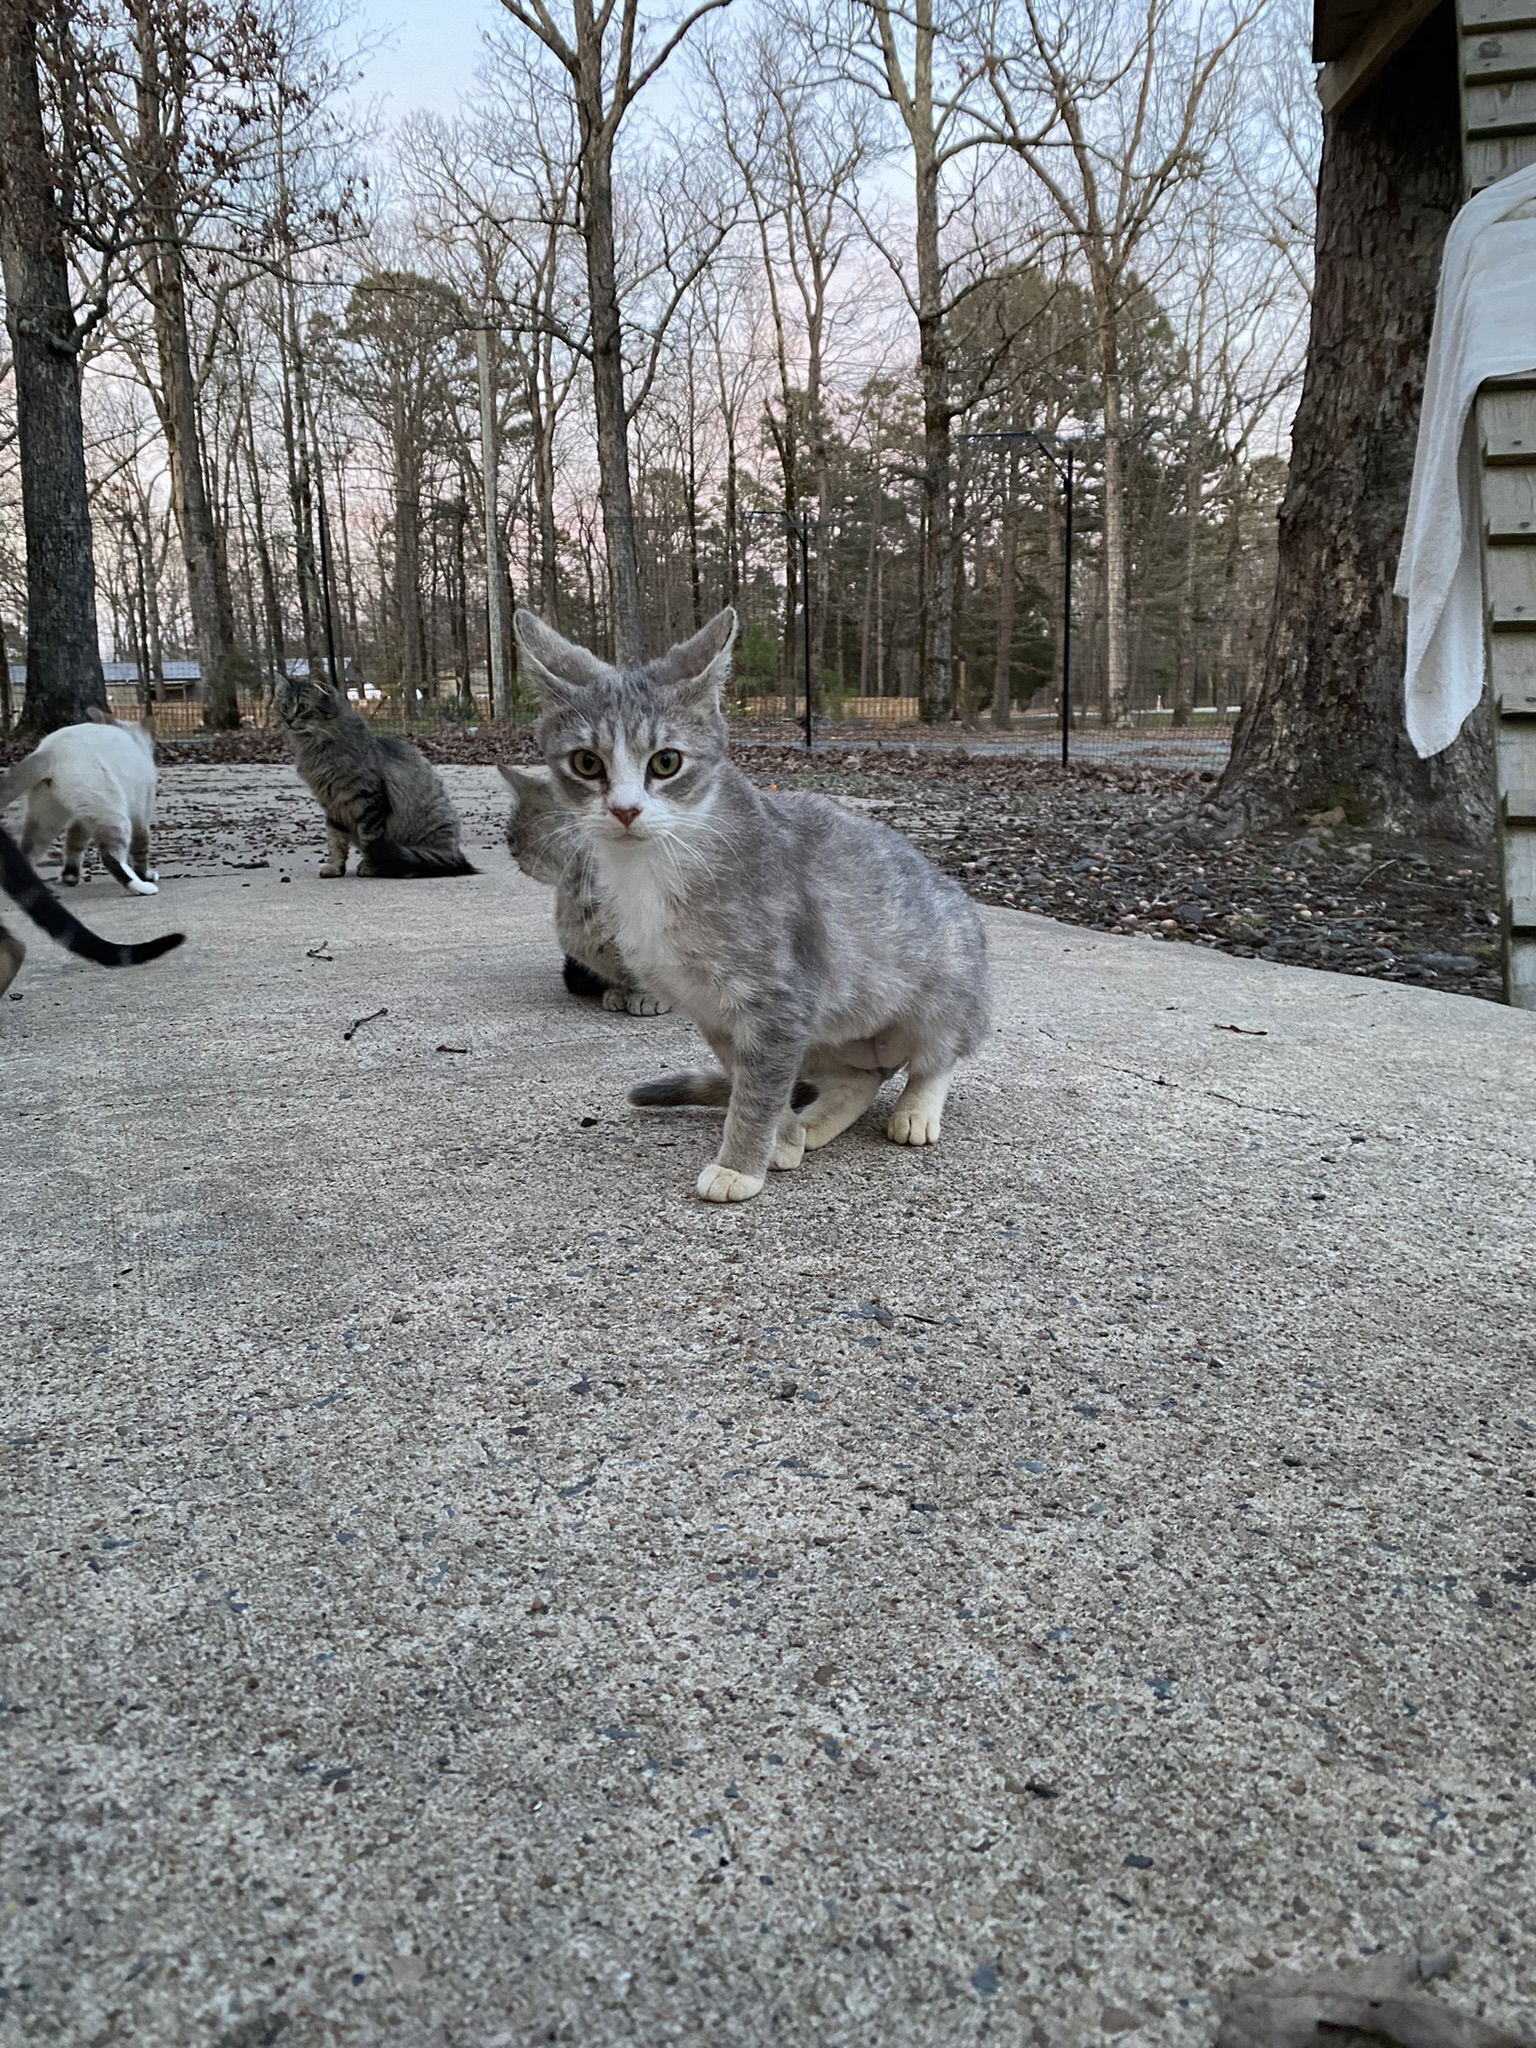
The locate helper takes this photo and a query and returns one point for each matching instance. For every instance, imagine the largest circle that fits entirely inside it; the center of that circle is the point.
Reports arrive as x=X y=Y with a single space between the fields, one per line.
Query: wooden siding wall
x=1498 y=87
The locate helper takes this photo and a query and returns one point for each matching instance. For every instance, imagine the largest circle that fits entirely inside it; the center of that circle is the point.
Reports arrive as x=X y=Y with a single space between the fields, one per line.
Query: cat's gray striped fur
x=542 y=839
x=380 y=795
x=805 y=941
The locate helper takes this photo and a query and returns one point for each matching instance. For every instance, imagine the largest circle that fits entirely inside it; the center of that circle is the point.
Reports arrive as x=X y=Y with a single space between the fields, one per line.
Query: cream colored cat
x=96 y=784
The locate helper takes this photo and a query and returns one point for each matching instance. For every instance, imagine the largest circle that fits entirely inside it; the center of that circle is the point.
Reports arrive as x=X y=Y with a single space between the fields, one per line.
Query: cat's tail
x=414 y=863
x=27 y=889
x=697 y=1089
x=15 y=783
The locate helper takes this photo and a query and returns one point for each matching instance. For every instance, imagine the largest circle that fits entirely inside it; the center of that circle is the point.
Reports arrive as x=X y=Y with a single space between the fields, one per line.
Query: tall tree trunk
x=139 y=611
x=609 y=403
x=298 y=443
x=541 y=420
x=1185 y=661
x=1007 y=598
x=202 y=542
x=869 y=640
x=1117 y=634
x=408 y=606
x=459 y=598
x=301 y=493
x=271 y=607
x=695 y=578
x=1324 y=725
x=63 y=659
x=965 y=694
x=732 y=515
x=936 y=681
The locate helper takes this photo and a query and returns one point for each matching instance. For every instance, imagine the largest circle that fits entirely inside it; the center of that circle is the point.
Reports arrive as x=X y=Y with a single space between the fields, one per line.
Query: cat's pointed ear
x=554 y=666
x=700 y=666
x=524 y=782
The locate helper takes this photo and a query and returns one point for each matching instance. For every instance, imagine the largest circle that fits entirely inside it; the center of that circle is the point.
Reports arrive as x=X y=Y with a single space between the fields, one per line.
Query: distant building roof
x=127 y=672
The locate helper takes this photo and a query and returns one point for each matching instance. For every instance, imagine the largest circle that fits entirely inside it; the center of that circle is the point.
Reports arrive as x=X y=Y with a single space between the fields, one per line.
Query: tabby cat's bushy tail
x=413 y=863
x=30 y=893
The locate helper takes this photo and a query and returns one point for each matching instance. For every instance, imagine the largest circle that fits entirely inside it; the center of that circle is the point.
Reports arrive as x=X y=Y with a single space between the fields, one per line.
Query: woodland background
x=694 y=273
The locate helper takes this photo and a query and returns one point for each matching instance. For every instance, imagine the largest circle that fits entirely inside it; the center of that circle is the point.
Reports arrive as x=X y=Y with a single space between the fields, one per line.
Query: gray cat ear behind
x=554 y=666
x=524 y=781
x=700 y=666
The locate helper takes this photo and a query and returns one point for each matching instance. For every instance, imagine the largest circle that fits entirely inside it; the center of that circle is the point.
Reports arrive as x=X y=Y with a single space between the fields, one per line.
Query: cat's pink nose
x=625 y=813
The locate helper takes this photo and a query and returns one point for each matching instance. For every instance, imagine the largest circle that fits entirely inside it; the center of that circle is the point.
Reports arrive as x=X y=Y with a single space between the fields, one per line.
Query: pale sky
x=427 y=51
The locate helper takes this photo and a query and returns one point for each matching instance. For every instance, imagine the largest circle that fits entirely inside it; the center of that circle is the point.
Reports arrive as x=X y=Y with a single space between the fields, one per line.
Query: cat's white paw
x=719 y=1183
x=138 y=888
x=788 y=1152
x=913 y=1127
x=330 y=871
x=70 y=877
x=151 y=874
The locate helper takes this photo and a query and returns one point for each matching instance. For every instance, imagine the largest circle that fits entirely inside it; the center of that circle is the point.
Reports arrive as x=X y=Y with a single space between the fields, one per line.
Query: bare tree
x=602 y=53
x=63 y=660
x=800 y=150
x=1324 y=727
x=895 y=48
x=1112 y=112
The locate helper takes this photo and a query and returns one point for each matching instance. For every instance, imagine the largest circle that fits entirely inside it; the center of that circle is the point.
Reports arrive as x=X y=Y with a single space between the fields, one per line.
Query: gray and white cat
x=381 y=795
x=542 y=839
x=94 y=783
x=807 y=943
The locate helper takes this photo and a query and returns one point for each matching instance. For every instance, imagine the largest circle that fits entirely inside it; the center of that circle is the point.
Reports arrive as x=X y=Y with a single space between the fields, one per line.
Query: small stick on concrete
x=371 y=1017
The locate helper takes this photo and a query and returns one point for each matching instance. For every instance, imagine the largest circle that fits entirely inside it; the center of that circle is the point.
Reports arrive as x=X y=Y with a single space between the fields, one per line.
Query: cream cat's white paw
x=788 y=1152
x=138 y=888
x=719 y=1183
x=330 y=871
x=841 y=1101
x=913 y=1127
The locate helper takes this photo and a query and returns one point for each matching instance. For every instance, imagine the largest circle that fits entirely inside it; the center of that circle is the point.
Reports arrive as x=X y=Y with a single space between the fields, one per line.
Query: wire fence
x=1150 y=736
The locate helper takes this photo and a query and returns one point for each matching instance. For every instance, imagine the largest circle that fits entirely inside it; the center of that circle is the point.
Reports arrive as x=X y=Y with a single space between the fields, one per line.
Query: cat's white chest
x=640 y=907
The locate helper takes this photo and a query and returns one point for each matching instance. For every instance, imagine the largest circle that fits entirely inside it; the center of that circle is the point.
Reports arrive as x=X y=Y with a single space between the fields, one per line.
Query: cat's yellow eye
x=666 y=763
x=586 y=764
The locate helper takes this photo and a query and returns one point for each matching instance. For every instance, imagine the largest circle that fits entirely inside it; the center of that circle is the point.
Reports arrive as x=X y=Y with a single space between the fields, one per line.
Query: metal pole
x=1066 y=619
x=804 y=529
x=490 y=463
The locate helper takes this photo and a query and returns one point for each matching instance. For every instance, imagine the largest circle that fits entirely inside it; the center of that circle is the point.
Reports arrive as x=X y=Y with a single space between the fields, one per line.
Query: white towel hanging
x=1485 y=326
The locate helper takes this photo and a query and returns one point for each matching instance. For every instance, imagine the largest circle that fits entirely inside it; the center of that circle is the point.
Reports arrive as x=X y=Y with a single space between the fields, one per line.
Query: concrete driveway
x=462 y=1592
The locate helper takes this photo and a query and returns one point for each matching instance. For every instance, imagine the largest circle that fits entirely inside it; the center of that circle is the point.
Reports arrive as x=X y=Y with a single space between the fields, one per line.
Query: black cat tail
x=581 y=981
x=30 y=893
x=414 y=863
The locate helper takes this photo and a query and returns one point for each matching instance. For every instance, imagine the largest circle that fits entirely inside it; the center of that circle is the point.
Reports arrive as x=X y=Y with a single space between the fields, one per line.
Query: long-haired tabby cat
x=806 y=942
x=26 y=887
x=381 y=795
x=542 y=839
